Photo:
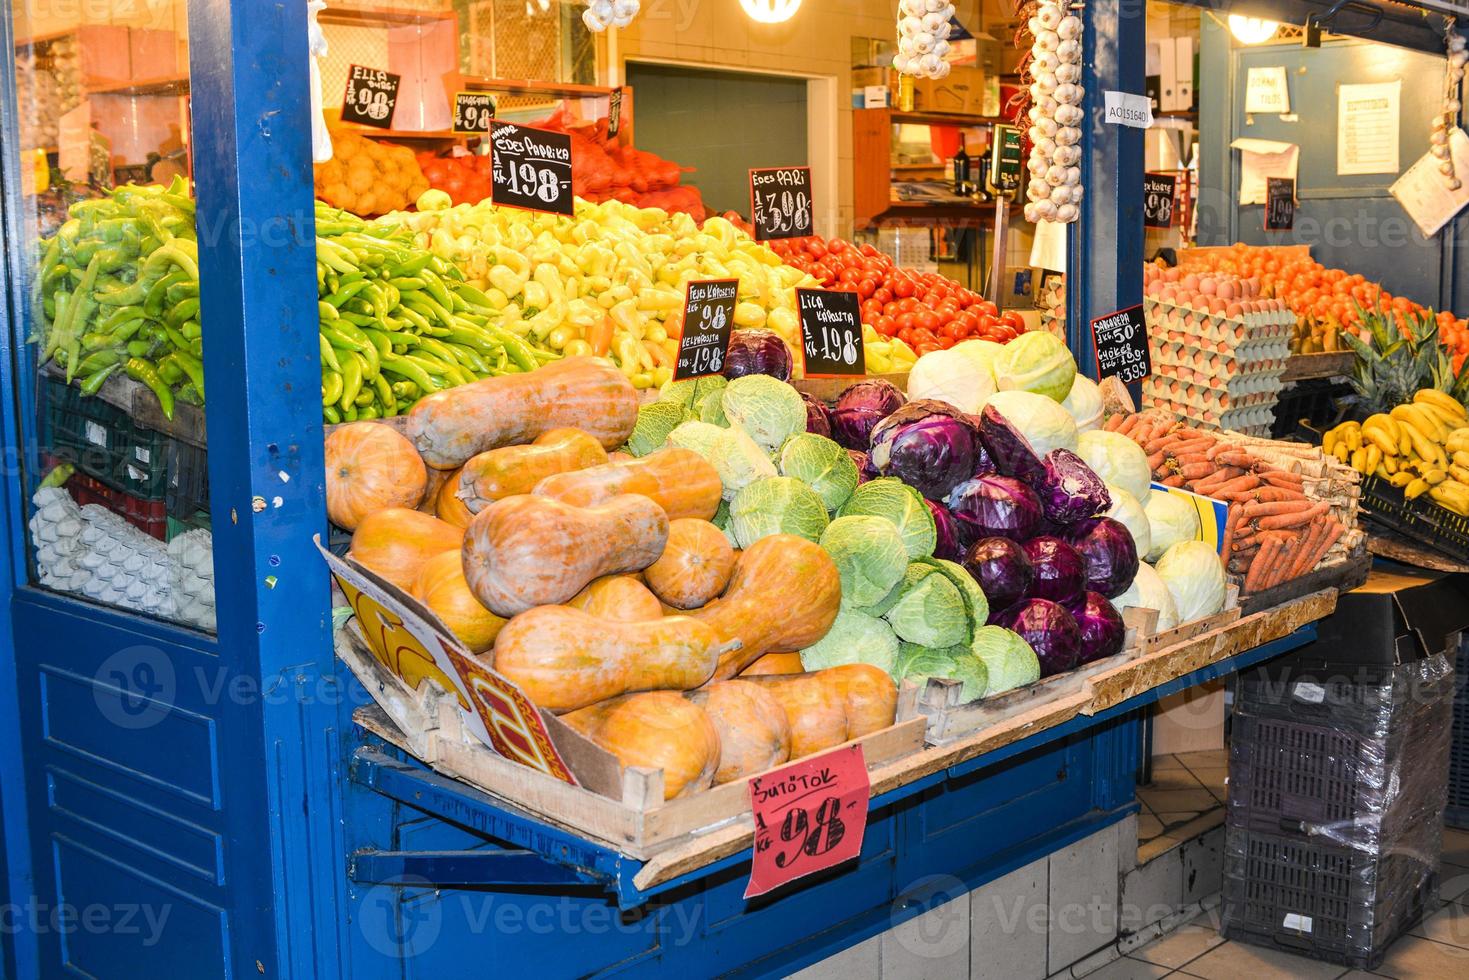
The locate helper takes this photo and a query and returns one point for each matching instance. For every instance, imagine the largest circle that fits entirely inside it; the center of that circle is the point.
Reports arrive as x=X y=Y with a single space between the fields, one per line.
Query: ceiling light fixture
x=1252 y=30
x=770 y=11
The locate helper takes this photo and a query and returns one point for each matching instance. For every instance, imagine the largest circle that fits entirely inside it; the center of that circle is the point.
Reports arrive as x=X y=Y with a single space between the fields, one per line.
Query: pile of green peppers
x=117 y=289
x=398 y=323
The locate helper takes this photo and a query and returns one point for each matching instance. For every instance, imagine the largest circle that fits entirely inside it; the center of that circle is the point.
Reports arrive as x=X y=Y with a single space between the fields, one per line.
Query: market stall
x=558 y=535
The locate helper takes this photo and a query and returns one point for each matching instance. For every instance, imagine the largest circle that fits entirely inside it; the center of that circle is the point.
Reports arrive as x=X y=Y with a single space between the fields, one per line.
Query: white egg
x=1068 y=73
x=1069 y=50
x=1069 y=27
x=1067 y=136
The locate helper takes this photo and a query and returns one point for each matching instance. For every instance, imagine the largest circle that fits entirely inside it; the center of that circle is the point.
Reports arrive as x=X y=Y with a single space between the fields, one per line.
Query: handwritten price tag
x=809 y=816
x=1121 y=343
x=780 y=203
x=708 y=318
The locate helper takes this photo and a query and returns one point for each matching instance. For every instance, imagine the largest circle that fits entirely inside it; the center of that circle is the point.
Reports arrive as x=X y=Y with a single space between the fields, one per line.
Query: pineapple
x=1403 y=357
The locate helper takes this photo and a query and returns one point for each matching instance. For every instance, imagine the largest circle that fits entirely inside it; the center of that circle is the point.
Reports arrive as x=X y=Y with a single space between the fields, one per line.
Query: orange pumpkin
x=564 y=658
x=680 y=481
x=436 y=481
x=441 y=587
x=783 y=595
x=695 y=566
x=510 y=470
x=527 y=551
x=655 y=730
x=447 y=505
x=832 y=706
x=619 y=597
x=370 y=468
x=775 y=663
x=395 y=543
x=754 y=734
x=451 y=426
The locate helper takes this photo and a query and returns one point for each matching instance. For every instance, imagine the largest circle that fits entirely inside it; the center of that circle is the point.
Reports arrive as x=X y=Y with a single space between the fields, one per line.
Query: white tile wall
x=1007 y=917
x=1083 y=897
x=931 y=946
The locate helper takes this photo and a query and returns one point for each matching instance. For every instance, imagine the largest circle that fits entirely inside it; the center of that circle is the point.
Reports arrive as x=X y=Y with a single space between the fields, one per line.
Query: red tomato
x=867 y=287
x=836 y=245
x=869 y=251
x=883 y=294
x=1006 y=334
x=870 y=309
x=946 y=342
x=907 y=321
x=969 y=321
x=954 y=330
x=1013 y=320
x=908 y=304
x=988 y=322
x=903 y=288
x=905 y=334
x=928 y=320
x=850 y=275
x=885 y=325
x=922 y=349
x=925 y=336
x=985 y=306
x=816 y=247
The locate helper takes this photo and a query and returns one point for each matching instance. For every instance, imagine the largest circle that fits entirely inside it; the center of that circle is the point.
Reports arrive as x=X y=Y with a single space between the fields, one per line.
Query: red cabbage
x=1110 y=554
x=818 y=420
x=927 y=444
x=860 y=408
x=1011 y=452
x=1070 y=490
x=995 y=505
x=982 y=462
x=1051 y=632
x=1002 y=569
x=1102 y=632
x=757 y=351
x=865 y=471
x=948 y=536
x=1060 y=573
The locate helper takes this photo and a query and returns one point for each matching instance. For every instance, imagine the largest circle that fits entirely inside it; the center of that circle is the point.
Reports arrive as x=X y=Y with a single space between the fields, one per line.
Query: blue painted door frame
x=207 y=782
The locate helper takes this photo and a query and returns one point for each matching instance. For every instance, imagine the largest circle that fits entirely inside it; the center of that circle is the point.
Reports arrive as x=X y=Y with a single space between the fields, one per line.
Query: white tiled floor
x=1437 y=949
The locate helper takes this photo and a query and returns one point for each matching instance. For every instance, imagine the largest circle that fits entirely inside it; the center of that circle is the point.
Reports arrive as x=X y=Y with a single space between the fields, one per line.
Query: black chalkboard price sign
x=708 y=317
x=473 y=112
x=371 y=96
x=1158 y=190
x=531 y=169
x=780 y=203
x=1280 y=203
x=831 y=333
x=1121 y=343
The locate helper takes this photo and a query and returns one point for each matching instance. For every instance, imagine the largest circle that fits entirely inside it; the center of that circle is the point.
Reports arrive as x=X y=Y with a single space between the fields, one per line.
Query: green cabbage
x=689 y=392
x=1171 y=519
x=1195 y=579
x=655 y=421
x=732 y=453
x=975 y=601
x=770 y=410
x=855 y=638
x=1043 y=422
x=1084 y=403
x=1116 y=459
x=721 y=521
x=930 y=610
x=918 y=663
x=1129 y=510
x=892 y=498
x=1039 y=362
x=959 y=376
x=821 y=463
x=709 y=407
x=776 y=505
x=868 y=553
x=1010 y=660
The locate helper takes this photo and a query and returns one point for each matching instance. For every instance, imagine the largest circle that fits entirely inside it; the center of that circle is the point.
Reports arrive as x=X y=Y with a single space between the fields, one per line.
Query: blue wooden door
x=169 y=787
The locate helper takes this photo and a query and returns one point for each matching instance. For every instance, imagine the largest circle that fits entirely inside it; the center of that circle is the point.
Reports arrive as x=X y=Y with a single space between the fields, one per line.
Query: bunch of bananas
x=1422 y=446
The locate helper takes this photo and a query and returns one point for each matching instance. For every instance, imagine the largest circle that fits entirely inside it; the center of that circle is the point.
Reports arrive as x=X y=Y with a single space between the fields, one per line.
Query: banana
x=1423 y=447
x=1390 y=464
x=1341 y=452
x=1419 y=419
x=1460 y=473
x=1458 y=440
x=1458 y=503
x=1443 y=417
x=1379 y=436
x=1359 y=460
x=1353 y=437
x=1415 y=489
x=1328 y=442
x=1401 y=478
x=1442 y=400
x=1381 y=472
x=1405 y=445
x=1434 y=477
x=1372 y=460
x=1385 y=422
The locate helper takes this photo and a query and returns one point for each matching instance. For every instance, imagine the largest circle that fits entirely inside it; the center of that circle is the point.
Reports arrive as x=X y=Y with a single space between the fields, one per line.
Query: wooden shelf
x=1302 y=367
x=381 y=16
x=938 y=118
x=520 y=86
x=169 y=85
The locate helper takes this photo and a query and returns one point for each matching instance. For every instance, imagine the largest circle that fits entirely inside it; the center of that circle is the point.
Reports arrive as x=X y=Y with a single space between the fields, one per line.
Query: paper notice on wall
x=1260 y=159
x=1367 y=128
x=1266 y=90
x=1048 y=248
x=1424 y=192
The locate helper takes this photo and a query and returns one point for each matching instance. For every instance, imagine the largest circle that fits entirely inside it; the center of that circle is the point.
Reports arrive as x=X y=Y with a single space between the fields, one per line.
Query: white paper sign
x=1126 y=109
x=1260 y=159
x=1367 y=128
x=1048 y=247
x=1424 y=193
x=1266 y=90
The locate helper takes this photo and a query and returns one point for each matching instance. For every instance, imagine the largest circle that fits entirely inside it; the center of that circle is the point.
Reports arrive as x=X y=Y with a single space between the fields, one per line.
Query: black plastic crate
x=1456 y=814
x=1336 y=904
x=1420 y=519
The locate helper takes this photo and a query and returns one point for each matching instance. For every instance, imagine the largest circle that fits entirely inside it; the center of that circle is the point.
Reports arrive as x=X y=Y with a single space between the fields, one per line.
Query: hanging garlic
x=1055 y=115
x=1457 y=55
x=602 y=14
x=923 y=38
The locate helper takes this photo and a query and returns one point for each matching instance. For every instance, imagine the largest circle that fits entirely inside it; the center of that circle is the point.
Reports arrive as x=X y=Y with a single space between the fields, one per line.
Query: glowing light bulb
x=1252 y=30
x=770 y=11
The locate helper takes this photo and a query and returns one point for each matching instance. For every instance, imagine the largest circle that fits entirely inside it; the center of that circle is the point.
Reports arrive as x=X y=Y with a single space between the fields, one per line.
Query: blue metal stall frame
x=292 y=845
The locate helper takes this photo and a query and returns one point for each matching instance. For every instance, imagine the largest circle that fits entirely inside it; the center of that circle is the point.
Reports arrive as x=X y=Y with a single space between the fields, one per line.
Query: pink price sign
x=809 y=816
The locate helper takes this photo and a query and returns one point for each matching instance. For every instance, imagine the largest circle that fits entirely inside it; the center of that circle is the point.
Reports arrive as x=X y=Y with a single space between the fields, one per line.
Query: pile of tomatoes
x=925 y=310
x=465 y=179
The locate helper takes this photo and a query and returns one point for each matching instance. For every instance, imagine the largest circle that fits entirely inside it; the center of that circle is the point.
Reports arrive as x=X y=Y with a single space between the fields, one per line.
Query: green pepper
x=97 y=360
x=177 y=339
x=139 y=348
x=474 y=296
x=339 y=339
x=412 y=267
x=185 y=309
x=384 y=391
x=365 y=397
x=326 y=311
x=330 y=415
x=144 y=372
x=192 y=330
x=350 y=415
x=406 y=284
x=469 y=358
x=328 y=355
x=368 y=411
x=414 y=317
x=405 y=389
x=331 y=387
x=153 y=302
x=407 y=367
x=92 y=383
x=59 y=474
x=187 y=394
x=382 y=340
x=170 y=371
x=351 y=380
x=190 y=366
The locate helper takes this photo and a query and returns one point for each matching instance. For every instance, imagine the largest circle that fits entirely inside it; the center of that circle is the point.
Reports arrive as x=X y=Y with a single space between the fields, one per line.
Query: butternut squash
x=370 y=467
x=396 y=542
x=754 y=734
x=510 y=470
x=440 y=585
x=695 y=565
x=451 y=426
x=783 y=595
x=680 y=481
x=656 y=730
x=565 y=658
x=775 y=663
x=832 y=706
x=447 y=505
x=527 y=551
x=619 y=597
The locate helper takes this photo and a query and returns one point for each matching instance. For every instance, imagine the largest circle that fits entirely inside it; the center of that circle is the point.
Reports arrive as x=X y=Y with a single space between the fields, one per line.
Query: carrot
x=1120 y=423
x=1331 y=530
x=1173 y=481
x=1231 y=521
x=1238 y=484
x=1219 y=447
x=1283 y=479
x=1238 y=458
x=1269 y=548
x=1193 y=471
x=1184 y=447
x=1285 y=560
x=1155 y=460
x=1273 y=508
x=1314 y=534
x=1268 y=494
x=1294 y=518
